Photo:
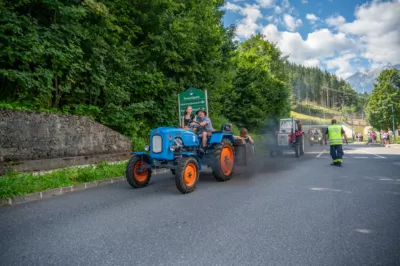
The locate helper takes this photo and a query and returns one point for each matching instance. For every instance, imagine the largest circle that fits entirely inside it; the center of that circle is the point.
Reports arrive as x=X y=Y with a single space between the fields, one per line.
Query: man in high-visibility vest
x=335 y=133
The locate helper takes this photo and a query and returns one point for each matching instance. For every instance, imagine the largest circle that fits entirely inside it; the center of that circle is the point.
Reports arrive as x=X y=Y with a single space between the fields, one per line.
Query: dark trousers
x=337 y=153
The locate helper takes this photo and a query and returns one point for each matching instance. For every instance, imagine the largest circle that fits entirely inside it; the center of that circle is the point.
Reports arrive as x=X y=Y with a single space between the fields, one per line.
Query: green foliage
x=386 y=94
x=257 y=91
x=14 y=183
x=313 y=84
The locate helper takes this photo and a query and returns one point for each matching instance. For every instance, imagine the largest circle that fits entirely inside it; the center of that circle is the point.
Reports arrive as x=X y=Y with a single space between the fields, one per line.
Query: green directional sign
x=193 y=97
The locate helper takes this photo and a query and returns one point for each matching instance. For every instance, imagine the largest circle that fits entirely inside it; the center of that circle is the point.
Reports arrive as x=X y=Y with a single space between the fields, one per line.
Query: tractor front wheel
x=187 y=175
x=224 y=157
x=135 y=179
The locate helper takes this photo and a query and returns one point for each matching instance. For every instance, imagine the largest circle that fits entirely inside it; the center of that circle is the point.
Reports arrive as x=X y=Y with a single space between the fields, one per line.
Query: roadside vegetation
x=384 y=99
x=123 y=65
x=14 y=184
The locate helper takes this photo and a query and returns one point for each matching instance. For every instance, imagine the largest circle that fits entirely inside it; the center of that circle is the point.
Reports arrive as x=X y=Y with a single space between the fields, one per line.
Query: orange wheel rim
x=226 y=160
x=190 y=174
x=141 y=177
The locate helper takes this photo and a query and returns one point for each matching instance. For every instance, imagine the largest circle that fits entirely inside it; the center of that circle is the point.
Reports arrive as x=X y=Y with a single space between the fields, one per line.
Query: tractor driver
x=205 y=129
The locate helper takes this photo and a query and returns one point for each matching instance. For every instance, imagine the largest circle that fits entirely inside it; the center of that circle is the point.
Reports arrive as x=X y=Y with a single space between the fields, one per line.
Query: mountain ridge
x=364 y=81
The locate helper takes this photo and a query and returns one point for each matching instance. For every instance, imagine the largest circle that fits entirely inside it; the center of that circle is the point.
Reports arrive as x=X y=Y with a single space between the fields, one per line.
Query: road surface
x=294 y=211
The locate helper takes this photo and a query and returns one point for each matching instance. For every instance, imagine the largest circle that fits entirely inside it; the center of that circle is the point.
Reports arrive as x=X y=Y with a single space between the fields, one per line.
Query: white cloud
x=312 y=17
x=312 y=62
x=291 y=23
x=248 y=26
x=377 y=26
x=320 y=44
x=304 y=1
x=335 y=20
x=373 y=35
x=342 y=64
x=265 y=3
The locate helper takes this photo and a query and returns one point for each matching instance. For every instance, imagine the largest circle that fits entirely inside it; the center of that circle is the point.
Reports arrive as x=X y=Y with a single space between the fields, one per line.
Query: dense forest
x=123 y=63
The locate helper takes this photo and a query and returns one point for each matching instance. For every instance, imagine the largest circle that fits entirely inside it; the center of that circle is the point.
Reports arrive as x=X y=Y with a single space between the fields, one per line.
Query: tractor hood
x=170 y=133
x=173 y=131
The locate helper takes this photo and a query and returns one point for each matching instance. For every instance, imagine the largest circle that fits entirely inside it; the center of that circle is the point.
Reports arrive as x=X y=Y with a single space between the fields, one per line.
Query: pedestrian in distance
x=335 y=134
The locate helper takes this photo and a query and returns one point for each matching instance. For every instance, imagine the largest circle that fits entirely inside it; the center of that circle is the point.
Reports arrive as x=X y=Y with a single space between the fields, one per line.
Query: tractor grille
x=157 y=144
x=283 y=140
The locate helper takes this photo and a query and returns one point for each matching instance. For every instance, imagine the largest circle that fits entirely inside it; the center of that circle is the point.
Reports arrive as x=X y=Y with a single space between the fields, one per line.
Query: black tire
x=301 y=145
x=218 y=170
x=273 y=153
x=173 y=171
x=184 y=180
x=134 y=179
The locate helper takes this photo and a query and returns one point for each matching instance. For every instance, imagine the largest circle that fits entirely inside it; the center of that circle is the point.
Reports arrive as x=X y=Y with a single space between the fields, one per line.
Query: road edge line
x=50 y=193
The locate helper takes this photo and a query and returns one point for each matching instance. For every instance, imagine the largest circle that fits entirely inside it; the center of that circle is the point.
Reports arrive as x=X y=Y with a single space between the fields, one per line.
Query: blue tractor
x=179 y=150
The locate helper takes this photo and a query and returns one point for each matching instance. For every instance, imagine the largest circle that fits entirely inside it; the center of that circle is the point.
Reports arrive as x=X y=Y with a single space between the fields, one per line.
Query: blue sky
x=341 y=36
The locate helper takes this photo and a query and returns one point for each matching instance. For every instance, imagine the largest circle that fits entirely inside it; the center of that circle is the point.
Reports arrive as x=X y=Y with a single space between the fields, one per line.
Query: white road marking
x=321 y=153
x=361 y=157
x=371 y=153
x=328 y=189
x=385 y=179
x=364 y=231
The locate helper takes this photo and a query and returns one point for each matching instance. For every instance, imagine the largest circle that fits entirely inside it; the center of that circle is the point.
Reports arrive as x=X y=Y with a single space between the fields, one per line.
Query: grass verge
x=15 y=184
x=305 y=119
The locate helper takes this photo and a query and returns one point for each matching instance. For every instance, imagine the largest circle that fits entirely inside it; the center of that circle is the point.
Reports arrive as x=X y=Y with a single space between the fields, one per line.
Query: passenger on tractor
x=205 y=130
x=244 y=136
x=187 y=117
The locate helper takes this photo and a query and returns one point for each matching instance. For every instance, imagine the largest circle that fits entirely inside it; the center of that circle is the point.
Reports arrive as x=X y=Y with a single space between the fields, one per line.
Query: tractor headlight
x=147 y=147
x=312 y=138
x=319 y=138
x=172 y=148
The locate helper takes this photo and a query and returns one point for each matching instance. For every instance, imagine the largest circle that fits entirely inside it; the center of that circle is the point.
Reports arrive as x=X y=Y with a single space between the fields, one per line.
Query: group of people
x=385 y=137
x=204 y=127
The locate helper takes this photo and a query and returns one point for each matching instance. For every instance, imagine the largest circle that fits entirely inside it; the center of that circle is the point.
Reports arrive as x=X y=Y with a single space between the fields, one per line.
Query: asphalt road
x=293 y=211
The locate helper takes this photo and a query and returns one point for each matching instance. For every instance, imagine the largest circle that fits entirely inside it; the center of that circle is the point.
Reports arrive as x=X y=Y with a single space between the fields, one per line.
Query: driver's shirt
x=208 y=127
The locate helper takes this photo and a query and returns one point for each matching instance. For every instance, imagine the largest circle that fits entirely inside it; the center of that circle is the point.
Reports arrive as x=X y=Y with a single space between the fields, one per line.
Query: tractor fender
x=191 y=154
x=217 y=138
x=140 y=153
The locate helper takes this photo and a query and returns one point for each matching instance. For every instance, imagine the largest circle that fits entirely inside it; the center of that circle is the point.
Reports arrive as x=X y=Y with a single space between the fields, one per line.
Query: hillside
x=311 y=84
x=363 y=82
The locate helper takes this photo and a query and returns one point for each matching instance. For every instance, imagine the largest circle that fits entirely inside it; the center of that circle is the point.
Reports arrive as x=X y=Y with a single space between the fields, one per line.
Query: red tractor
x=289 y=137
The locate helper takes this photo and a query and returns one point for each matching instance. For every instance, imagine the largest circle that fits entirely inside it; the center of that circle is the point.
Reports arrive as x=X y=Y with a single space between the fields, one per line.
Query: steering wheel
x=194 y=126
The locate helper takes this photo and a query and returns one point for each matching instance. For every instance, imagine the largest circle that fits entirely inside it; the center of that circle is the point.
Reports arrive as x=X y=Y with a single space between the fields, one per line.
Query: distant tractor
x=179 y=150
x=315 y=136
x=289 y=137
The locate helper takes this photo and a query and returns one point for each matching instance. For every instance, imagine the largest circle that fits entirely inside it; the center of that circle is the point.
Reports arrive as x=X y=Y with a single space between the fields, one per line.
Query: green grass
x=305 y=119
x=14 y=184
x=316 y=110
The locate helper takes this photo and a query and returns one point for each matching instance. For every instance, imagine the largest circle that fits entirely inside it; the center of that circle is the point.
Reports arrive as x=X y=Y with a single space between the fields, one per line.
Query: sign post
x=193 y=97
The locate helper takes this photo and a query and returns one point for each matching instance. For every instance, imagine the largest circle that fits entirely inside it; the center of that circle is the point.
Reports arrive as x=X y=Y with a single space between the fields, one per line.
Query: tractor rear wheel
x=137 y=180
x=187 y=175
x=224 y=160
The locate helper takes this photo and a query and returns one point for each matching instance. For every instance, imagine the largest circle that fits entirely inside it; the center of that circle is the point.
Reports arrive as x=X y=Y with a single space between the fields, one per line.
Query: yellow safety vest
x=335 y=135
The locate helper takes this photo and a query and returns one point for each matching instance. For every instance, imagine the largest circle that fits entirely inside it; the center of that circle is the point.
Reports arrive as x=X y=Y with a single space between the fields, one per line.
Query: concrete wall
x=37 y=136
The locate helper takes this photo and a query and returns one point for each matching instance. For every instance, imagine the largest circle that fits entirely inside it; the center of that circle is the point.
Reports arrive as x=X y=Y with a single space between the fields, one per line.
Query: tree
x=386 y=93
x=257 y=90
